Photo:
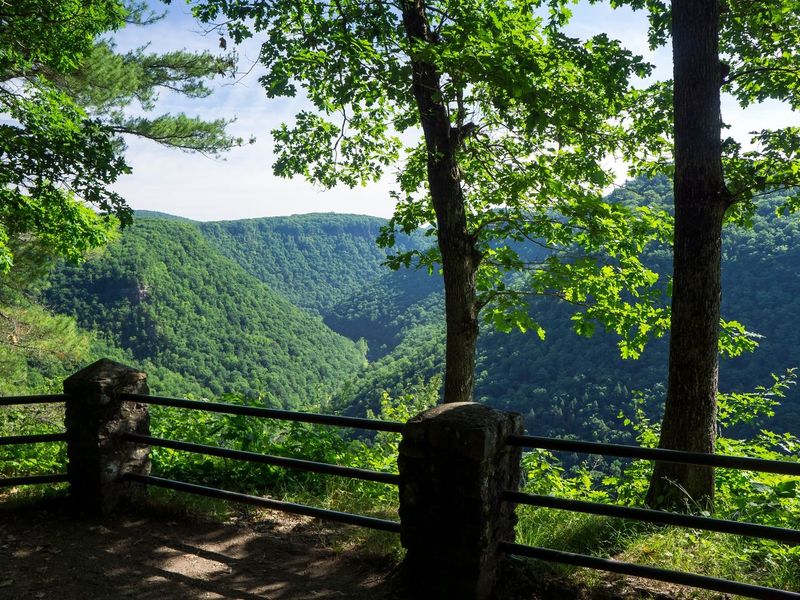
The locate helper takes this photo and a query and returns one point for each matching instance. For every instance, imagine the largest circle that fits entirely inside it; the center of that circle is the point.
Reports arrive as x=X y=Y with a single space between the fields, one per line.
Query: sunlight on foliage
x=763 y=498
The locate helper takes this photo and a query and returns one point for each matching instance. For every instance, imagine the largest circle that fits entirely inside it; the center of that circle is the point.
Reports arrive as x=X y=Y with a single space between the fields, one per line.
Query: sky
x=241 y=184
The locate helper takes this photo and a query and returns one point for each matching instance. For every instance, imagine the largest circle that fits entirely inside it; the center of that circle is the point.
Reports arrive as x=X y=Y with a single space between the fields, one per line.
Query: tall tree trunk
x=460 y=259
x=700 y=202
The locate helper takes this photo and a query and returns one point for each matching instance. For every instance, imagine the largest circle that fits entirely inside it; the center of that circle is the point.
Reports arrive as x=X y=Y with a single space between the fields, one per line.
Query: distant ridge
x=154 y=214
x=316 y=260
x=286 y=220
x=301 y=218
x=164 y=294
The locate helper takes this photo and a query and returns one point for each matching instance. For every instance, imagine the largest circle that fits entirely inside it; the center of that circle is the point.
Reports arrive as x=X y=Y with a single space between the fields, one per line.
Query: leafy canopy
x=63 y=94
x=51 y=152
x=534 y=113
x=759 y=45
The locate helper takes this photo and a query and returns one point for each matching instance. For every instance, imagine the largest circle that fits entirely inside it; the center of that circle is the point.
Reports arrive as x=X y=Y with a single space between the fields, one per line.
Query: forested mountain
x=387 y=308
x=314 y=260
x=165 y=298
x=569 y=385
x=154 y=214
x=566 y=384
x=165 y=295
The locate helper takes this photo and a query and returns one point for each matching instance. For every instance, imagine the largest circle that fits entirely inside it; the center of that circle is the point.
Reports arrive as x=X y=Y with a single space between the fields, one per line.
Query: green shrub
x=32 y=459
x=764 y=498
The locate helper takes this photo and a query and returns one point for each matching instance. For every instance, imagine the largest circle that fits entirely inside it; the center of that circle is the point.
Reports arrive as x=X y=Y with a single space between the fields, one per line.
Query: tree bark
x=460 y=258
x=701 y=199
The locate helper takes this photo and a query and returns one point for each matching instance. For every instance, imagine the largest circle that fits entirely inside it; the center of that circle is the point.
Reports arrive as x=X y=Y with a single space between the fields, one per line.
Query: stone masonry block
x=96 y=419
x=454 y=466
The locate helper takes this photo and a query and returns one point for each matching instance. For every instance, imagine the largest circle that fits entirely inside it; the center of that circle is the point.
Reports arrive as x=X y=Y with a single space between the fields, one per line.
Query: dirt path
x=47 y=554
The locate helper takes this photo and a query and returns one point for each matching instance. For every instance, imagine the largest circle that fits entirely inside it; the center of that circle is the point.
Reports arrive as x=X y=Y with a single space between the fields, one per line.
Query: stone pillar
x=95 y=421
x=454 y=465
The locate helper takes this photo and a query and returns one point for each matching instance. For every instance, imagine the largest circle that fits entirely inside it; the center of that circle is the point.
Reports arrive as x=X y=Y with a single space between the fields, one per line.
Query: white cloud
x=240 y=187
x=243 y=185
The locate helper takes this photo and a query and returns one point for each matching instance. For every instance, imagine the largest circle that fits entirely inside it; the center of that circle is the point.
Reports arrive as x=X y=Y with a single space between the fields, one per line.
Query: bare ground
x=48 y=554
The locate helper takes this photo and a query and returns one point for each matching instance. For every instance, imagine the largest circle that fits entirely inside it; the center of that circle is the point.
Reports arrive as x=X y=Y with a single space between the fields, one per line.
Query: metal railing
x=42 y=438
x=704 y=582
x=266 y=459
x=39 y=438
x=34 y=480
x=290 y=507
x=780 y=534
x=201 y=490
x=279 y=461
x=267 y=413
x=35 y=399
x=741 y=463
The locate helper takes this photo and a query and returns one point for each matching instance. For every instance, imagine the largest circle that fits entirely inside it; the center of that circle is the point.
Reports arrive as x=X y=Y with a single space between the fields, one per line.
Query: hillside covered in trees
x=314 y=260
x=164 y=294
x=299 y=310
x=573 y=385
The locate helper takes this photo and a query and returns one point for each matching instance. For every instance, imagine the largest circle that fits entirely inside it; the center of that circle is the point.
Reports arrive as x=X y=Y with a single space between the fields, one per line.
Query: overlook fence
x=459 y=468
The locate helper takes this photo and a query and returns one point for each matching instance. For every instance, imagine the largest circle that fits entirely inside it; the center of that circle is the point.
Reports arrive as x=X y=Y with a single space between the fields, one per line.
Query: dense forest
x=585 y=394
x=164 y=294
x=209 y=308
x=315 y=261
x=661 y=314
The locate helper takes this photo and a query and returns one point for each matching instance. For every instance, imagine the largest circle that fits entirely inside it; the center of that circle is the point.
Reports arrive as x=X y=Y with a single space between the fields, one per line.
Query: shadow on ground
x=48 y=554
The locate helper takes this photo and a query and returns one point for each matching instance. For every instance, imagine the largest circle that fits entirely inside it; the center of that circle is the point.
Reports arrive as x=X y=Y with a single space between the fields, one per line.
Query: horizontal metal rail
x=779 y=534
x=267 y=413
x=289 y=507
x=37 y=399
x=33 y=480
x=682 y=578
x=41 y=438
x=660 y=454
x=267 y=459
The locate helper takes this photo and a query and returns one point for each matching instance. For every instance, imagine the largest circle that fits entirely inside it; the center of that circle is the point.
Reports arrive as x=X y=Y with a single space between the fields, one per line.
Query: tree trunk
x=460 y=259
x=701 y=199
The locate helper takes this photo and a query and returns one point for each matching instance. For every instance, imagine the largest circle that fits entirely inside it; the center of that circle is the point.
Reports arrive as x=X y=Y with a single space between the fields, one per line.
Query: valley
x=299 y=312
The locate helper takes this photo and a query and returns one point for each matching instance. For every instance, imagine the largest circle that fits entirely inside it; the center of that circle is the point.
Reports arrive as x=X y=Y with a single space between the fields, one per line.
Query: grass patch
x=708 y=553
x=25 y=496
